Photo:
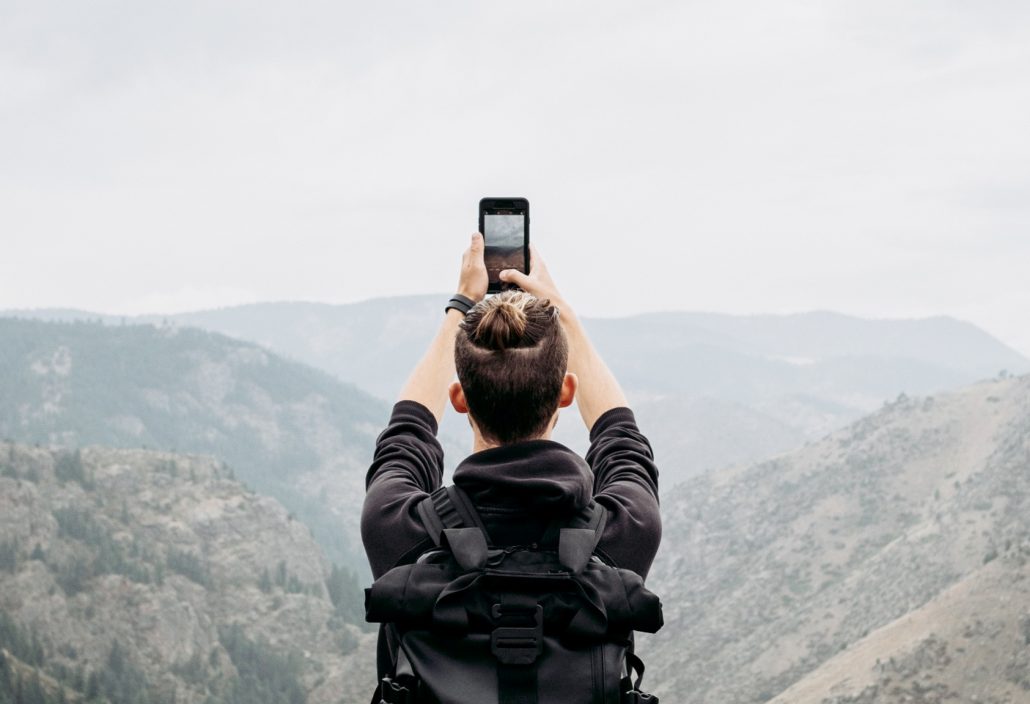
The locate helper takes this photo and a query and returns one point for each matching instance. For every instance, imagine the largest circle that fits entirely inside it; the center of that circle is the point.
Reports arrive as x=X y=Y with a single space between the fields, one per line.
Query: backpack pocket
x=465 y=670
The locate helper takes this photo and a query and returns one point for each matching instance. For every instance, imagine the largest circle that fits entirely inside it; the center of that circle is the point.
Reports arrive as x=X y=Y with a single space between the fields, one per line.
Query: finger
x=477 y=247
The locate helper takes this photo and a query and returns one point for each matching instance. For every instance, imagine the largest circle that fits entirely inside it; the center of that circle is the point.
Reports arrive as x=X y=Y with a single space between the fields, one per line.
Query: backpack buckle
x=393 y=692
x=517 y=645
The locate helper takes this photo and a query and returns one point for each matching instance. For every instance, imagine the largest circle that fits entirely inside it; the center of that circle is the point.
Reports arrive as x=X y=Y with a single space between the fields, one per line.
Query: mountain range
x=883 y=562
x=710 y=389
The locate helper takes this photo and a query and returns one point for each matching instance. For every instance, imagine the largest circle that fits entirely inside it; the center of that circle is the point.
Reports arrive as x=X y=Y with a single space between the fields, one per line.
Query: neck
x=479 y=444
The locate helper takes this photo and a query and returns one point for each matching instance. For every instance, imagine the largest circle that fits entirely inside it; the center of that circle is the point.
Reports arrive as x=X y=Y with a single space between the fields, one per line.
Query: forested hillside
x=288 y=430
x=136 y=577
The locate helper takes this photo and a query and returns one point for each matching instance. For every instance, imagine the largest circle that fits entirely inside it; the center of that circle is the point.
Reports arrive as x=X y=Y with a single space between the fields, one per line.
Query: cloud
x=739 y=156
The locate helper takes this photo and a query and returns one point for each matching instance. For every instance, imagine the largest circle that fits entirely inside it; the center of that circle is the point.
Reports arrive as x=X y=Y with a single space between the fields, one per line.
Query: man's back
x=517 y=489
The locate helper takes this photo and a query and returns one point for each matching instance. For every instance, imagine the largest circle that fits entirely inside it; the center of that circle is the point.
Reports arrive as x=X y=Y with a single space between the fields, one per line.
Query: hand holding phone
x=539 y=283
x=504 y=223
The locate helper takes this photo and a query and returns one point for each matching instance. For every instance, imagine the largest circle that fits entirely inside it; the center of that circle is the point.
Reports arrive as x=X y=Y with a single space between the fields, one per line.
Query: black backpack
x=546 y=623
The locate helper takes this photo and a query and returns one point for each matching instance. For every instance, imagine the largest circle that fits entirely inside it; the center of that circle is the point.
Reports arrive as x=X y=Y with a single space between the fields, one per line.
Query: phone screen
x=504 y=238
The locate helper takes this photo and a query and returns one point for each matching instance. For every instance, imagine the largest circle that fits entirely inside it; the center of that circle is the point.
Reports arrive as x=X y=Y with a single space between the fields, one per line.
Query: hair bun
x=502 y=326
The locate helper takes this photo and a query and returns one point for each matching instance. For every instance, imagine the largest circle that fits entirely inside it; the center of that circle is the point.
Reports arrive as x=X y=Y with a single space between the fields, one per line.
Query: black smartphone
x=504 y=223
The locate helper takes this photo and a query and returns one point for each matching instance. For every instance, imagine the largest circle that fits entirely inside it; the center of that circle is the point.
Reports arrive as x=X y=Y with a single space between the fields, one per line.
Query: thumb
x=513 y=276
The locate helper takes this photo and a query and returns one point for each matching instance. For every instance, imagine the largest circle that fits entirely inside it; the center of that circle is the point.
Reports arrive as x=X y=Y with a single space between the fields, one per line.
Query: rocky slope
x=969 y=643
x=153 y=577
x=770 y=571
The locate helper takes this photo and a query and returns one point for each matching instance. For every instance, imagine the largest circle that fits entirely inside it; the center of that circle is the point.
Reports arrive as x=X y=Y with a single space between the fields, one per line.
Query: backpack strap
x=448 y=507
x=453 y=523
x=402 y=687
x=593 y=516
x=631 y=691
x=577 y=539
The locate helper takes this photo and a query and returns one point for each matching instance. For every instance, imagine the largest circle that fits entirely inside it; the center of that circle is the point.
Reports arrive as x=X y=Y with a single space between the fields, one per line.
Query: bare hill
x=769 y=571
x=970 y=643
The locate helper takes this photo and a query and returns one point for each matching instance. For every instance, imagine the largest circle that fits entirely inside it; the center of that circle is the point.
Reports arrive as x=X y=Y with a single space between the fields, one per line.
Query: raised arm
x=598 y=389
x=408 y=460
x=625 y=474
x=430 y=378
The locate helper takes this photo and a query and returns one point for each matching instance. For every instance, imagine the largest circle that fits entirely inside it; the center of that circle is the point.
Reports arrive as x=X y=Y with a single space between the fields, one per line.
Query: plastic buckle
x=517 y=645
x=393 y=692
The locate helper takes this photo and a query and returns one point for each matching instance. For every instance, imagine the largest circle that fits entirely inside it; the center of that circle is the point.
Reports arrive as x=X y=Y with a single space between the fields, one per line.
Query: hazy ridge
x=288 y=430
x=713 y=389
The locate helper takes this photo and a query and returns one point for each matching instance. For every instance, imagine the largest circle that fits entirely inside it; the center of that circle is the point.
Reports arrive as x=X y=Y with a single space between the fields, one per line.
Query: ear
x=569 y=386
x=457 y=396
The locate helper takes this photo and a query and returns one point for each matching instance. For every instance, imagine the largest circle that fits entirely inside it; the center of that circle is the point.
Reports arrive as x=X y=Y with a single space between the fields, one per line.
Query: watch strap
x=462 y=303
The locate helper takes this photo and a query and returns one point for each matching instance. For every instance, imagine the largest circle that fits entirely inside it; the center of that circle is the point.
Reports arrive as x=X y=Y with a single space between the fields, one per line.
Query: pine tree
x=265 y=583
x=92 y=687
x=6 y=681
x=33 y=692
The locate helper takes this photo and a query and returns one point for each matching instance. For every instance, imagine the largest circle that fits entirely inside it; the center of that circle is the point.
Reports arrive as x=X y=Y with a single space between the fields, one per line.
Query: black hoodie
x=516 y=488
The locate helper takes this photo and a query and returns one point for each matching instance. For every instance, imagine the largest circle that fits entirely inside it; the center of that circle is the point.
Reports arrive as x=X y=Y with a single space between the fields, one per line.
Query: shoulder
x=612 y=419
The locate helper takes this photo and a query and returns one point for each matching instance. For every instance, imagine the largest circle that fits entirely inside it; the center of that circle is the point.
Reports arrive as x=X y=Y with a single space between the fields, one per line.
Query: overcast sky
x=870 y=157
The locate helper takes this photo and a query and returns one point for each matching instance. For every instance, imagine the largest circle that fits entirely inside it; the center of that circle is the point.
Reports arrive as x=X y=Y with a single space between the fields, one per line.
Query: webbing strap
x=577 y=539
x=449 y=507
x=631 y=692
x=465 y=508
x=637 y=697
x=594 y=517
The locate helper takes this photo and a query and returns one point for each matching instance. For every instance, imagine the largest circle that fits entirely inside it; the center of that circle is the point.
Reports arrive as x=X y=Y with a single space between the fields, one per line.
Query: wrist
x=461 y=303
x=474 y=297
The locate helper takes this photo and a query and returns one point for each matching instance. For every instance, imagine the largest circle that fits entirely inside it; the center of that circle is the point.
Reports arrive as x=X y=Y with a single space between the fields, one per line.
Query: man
x=520 y=358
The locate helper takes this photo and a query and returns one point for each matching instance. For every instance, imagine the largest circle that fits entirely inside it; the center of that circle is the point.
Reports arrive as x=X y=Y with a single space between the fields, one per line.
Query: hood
x=539 y=475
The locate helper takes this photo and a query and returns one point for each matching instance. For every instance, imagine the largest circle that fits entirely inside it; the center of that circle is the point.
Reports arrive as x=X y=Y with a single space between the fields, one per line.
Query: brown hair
x=511 y=356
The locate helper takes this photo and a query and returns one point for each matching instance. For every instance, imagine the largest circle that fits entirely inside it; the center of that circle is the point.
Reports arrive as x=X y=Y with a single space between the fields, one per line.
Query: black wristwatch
x=462 y=303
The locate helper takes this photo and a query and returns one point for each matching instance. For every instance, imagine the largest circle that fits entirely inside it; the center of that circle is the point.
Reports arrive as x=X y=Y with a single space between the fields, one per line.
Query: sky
x=869 y=157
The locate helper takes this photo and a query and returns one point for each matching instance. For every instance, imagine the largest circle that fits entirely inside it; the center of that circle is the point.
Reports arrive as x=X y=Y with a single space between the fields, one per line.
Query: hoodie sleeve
x=406 y=466
x=626 y=484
